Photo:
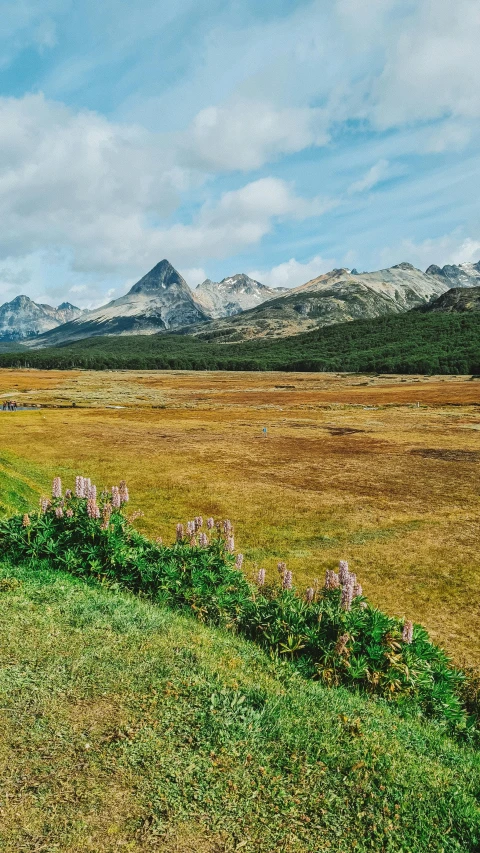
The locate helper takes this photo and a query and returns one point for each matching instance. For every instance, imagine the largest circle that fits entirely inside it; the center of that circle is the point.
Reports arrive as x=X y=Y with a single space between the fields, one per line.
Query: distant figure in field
x=264 y=432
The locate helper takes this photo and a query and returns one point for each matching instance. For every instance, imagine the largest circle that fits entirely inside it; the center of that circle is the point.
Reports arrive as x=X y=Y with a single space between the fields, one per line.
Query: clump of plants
x=329 y=632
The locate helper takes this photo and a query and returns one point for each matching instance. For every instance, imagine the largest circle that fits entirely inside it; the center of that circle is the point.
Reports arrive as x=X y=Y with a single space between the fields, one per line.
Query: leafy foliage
x=414 y=342
x=327 y=634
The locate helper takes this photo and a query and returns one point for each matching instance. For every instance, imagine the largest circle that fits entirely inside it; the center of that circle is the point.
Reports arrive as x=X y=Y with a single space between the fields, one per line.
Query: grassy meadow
x=380 y=471
x=126 y=726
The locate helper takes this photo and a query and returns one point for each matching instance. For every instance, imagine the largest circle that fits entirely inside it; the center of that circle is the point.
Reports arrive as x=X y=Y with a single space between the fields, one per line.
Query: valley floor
x=380 y=471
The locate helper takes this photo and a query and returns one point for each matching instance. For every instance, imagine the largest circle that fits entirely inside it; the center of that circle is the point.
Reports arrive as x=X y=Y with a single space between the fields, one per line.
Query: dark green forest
x=414 y=342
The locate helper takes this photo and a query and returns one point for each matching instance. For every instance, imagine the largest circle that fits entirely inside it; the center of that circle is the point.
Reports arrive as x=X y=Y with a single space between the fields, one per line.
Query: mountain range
x=23 y=318
x=237 y=308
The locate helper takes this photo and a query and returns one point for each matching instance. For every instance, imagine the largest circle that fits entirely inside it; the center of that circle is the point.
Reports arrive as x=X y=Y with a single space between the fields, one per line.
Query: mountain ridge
x=241 y=308
x=22 y=318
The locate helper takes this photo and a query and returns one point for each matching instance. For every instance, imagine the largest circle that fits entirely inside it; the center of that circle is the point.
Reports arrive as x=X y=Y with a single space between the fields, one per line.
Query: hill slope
x=335 y=297
x=125 y=725
x=458 y=299
x=161 y=300
x=414 y=342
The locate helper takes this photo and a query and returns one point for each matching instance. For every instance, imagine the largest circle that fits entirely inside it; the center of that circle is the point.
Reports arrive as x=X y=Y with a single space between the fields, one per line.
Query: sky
x=281 y=139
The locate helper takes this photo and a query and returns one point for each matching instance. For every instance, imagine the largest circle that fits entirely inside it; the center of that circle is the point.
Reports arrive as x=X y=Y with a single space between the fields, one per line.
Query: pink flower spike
x=259 y=577
x=239 y=561
x=210 y=523
x=230 y=544
x=57 y=487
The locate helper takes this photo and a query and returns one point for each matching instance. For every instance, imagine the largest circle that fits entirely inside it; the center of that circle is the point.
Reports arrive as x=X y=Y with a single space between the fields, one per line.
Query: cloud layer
x=315 y=130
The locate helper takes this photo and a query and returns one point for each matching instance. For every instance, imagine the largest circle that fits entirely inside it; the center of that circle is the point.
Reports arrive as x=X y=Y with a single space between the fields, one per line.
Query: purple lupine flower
x=343 y=572
x=69 y=513
x=310 y=594
x=92 y=493
x=116 y=502
x=26 y=520
x=45 y=505
x=59 y=511
x=93 y=510
x=239 y=561
x=347 y=596
x=106 y=513
x=357 y=590
x=80 y=487
x=158 y=540
x=227 y=526
x=198 y=522
x=282 y=568
x=407 y=633
x=331 y=579
x=259 y=577
x=57 y=487
x=68 y=494
x=230 y=544
x=190 y=528
x=287 y=580
x=210 y=523
x=123 y=492
x=203 y=540
x=180 y=532
x=87 y=483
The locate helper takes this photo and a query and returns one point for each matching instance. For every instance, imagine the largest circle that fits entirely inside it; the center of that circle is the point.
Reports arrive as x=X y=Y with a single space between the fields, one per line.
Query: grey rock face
x=23 y=318
x=159 y=302
x=457 y=275
x=233 y=295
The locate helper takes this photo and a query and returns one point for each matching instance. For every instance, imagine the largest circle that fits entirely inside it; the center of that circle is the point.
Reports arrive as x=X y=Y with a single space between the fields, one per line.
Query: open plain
x=383 y=472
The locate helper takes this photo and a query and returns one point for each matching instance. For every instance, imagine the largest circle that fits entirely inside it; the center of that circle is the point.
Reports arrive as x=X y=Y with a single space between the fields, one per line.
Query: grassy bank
x=128 y=726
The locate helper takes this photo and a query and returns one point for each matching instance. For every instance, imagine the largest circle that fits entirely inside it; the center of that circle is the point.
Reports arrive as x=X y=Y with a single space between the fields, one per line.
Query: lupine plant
x=329 y=632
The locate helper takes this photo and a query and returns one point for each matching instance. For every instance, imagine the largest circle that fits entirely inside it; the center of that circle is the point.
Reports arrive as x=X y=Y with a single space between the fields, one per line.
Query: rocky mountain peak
x=162 y=277
x=457 y=275
x=233 y=294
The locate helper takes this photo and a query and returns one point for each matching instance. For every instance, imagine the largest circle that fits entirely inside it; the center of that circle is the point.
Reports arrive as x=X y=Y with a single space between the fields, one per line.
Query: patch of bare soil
x=447 y=455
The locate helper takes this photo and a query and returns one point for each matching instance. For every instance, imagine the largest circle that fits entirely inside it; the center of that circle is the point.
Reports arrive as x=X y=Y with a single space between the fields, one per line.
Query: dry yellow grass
x=352 y=468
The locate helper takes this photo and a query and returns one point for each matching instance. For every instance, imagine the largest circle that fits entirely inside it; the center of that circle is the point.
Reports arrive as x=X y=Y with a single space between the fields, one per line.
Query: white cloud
x=238 y=220
x=246 y=134
x=293 y=273
x=448 y=249
x=374 y=176
x=193 y=276
x=431 y=68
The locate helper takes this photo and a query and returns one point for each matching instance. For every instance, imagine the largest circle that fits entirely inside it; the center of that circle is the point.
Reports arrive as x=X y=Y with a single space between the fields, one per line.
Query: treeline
x=414 y=342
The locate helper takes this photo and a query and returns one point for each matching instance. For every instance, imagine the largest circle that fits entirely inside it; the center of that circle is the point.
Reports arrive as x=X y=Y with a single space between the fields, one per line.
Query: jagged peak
x=162 y=276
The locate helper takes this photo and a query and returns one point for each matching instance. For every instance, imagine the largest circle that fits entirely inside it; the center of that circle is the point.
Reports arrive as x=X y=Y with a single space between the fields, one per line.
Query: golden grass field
x=382 y=472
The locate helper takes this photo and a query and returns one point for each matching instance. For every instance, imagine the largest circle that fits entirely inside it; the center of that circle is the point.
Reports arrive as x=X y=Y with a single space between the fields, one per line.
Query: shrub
x=330 y=633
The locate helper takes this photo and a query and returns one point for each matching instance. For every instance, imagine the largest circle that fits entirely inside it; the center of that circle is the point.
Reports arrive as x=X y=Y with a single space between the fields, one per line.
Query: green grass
x=414 y=342
x=127 y=726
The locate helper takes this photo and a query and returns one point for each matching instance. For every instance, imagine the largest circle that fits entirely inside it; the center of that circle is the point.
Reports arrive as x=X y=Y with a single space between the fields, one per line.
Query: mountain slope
x=457 y=275
x=160 y=301
x=233 y=295
x=24 y=318
x=335 y=297
x=458 y=299
x=418 y=341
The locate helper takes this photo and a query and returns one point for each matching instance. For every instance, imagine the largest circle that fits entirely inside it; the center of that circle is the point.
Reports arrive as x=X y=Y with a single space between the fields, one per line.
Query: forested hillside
x=415 y=342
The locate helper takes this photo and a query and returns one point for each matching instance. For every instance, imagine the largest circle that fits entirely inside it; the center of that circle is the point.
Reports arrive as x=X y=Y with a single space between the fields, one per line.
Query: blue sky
x=279 y=139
